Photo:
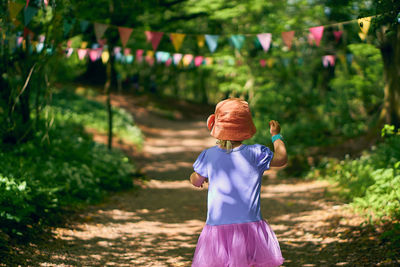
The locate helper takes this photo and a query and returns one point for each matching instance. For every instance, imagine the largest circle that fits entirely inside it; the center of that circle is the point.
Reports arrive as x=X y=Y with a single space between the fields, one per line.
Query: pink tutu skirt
x=237 y=245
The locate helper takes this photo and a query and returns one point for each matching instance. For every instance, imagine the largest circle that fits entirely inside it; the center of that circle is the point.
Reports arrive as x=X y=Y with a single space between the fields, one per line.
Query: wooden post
x=107 y=91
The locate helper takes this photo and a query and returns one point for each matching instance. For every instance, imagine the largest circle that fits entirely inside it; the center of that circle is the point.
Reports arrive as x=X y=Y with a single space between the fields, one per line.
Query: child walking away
x=235 y=235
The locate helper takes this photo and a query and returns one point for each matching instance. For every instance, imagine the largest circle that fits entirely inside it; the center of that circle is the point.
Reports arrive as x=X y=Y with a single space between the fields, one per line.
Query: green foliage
x=60 y=167
x=371 y=182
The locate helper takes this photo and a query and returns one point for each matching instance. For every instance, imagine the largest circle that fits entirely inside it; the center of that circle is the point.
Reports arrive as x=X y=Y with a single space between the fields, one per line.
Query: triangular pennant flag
x=165 y=57
x=177 y=40
x=342 y=58
x=263 y=62
x=364 y=24
x=129 y=59
x=317 y=33
x=187 y=59
x=84 y=25
x=105 y=56
x=311 y=39
x=150 y=57
x=200 y=40
x=84 y=45
x=99 y=30
x=198 y=61
x=42 y=38
x=270 y=62
x=14 y=9
x=265 y=40
x=338 y=35
x=69 y=43
x=46 y=2
x=69 y=52
x=95 y=54
x=168 y=62
x=208 y=60
x=328 y=60
x=237 y=41
x=27 y=3
x=82 y=53
x=117 y=50
x=68 y=25
x=288 y=38
x=29 y=13
x=39 y=47
x=139 y=55
x=177 y=58
x=127 y=51
x=362 y=36
x=124 y=34
x=154 y=38
x=212 y=42
x=159 y=56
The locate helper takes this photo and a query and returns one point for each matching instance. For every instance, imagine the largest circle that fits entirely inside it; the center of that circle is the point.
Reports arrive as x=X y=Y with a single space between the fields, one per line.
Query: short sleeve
x=200 y=165
x=264 y=158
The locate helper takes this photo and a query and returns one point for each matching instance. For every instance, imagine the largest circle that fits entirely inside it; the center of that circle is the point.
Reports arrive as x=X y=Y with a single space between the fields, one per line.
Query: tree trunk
x=107 y=91
x=390 y=50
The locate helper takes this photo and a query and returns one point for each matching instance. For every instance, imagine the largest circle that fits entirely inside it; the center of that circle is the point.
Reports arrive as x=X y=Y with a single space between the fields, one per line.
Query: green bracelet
x=276 y=137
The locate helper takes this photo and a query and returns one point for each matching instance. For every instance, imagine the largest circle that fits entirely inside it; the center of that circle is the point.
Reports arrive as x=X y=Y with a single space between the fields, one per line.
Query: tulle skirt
x=237 y=245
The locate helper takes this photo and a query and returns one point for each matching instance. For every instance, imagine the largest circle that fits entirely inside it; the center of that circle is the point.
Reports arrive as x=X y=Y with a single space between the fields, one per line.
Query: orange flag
x=288 y=38
x=177 y=40
x=200 y=40
x=124 y=34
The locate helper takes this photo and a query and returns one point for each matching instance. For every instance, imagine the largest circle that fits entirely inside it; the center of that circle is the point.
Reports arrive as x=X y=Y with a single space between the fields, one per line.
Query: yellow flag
x=362 y=35
x=200 y=40
x=14 y=9
x=150 y=54
x=105 y=56
x=364 y=24
x=84 y=45
x=270 y=62
x=177 y=40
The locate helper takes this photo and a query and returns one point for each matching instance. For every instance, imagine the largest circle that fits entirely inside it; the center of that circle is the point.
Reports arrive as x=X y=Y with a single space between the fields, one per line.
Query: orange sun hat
x=231 y=121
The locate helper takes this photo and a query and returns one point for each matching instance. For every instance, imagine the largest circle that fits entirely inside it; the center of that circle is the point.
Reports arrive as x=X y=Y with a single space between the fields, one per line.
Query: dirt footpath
x=158 y=225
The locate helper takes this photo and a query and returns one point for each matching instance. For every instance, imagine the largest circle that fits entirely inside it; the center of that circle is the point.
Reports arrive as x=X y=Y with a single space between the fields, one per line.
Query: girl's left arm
x=197 y=180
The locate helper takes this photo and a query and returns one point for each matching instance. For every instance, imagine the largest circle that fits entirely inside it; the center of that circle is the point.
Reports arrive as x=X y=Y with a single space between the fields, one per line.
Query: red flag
x=338 y=35
x=154 y=38
x=124 y=34
x=288 y=38
x=263 y=62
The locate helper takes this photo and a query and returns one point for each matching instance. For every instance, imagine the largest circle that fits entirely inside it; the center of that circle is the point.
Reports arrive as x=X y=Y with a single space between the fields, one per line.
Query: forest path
x=158 y=225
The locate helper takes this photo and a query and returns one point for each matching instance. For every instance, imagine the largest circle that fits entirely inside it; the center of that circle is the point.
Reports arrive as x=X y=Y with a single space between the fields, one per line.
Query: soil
x=158 y=223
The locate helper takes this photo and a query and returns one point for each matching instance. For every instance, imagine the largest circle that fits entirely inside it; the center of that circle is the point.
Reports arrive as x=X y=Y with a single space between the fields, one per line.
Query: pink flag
x=317 y=33
x=82 y=53
x=177 y=58
x=154 y=38
x=263 y=62
x=168 y=62
x=95 y=54
x=69 y=43
x=99 y=30
x=265 y=40
x=328 y=60
x=46 y=2
x=41 y=38
x=288 y=38
x=311 y=39
x=69 y=51
x=19 y=40
x=338 y=35
x=139 y=55
x=187 y=59
x=117 y=50
x=124 y=34
x=198 y=61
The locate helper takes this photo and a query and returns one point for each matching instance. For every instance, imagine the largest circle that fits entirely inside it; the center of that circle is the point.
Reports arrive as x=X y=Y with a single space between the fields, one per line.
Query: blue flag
x=237 y=41
x=212 y=42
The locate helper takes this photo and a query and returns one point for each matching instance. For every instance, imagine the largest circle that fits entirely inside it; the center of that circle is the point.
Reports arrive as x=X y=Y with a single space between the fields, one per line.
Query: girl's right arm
x=280 y=156
x=197 y=180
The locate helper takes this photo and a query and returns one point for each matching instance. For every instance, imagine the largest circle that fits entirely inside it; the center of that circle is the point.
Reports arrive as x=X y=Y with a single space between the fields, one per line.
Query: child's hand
x=274 y=127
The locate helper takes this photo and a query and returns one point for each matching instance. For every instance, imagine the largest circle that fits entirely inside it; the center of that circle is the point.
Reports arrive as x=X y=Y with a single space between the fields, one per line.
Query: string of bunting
x=154 y=38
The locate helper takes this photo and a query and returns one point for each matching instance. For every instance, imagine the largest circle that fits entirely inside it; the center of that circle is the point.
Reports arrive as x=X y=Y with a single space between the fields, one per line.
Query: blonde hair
x=228 y=145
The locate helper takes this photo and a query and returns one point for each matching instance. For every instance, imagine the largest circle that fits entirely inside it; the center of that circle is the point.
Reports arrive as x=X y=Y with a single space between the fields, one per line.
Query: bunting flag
x=200 y=40
x=159 y=56
x=29 y=13
x=14 y=9
x=198 y=61
x=237 y=41
x=265 y=40
x=41 y=38
x=317 y=33
x=84 y=45
x=177 y=58
x=99 y=30
x=46 y=2
x=95 y=54
x=177 y=40
x=208 y=60
x=342 y=58
x=84 y=25
x=154 y=38
x=328 y=60
x=105 y=56
x=150 y=57
x=124 y=34
x=364 y=24
x=310 y=39
x=338 y=35
x=288 y=38
x=270 y=62
x=27 y=3
x=68 y=25
x=212 y=42
x=168 y=62
x=127 y=51
x=69 y=51
x=263 y=62
x=349 y=58
x=139 y=55
x=187 y=59
x=362 y=36
x=39 y=47
x=82 y=53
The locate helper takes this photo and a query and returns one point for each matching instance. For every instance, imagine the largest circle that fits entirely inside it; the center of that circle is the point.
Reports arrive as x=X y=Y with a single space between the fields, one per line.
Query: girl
x=235 y=235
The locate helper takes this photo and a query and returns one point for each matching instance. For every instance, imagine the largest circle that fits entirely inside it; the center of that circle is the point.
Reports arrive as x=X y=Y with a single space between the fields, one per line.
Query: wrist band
x=276 y=137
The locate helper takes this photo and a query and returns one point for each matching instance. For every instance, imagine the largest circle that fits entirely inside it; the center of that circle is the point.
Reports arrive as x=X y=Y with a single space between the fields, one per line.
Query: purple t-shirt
x=234 y=182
